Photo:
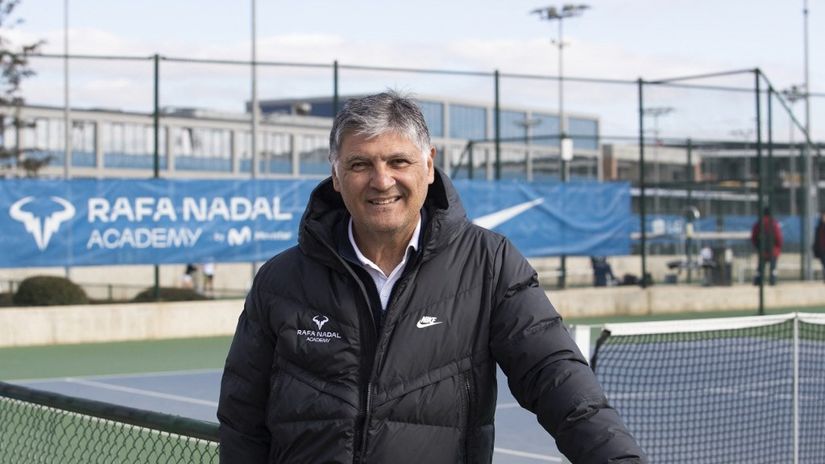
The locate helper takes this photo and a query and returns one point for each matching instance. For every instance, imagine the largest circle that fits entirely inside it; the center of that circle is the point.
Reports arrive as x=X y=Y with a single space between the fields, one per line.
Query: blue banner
x=161 y=221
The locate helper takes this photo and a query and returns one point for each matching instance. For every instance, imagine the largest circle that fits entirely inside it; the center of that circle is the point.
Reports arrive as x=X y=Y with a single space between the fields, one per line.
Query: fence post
x=642 y=207
x=769 y=170
x=497 y=119
x=156 y=154
x=334 y=88
x=761 y=189
x=803 y=214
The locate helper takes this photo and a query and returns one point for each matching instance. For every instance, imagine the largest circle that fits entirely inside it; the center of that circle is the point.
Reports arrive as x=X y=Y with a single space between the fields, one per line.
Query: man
x=772 y=246
x=375 y=340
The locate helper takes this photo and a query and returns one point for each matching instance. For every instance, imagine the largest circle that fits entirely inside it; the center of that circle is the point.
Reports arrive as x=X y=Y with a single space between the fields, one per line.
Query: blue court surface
x=194 y=394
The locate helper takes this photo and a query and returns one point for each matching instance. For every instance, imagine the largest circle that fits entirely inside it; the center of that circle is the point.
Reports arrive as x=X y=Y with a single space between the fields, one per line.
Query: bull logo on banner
x=42 y=228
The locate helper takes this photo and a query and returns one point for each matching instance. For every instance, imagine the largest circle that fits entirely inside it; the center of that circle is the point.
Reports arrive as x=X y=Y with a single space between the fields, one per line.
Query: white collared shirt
x=384 y=283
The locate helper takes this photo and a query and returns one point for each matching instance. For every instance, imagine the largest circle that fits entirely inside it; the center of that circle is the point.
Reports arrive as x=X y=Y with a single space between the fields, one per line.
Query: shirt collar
x=366 y=261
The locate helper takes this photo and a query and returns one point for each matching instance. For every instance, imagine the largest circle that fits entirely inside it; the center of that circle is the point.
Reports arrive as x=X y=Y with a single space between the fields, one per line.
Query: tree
x=14 y=69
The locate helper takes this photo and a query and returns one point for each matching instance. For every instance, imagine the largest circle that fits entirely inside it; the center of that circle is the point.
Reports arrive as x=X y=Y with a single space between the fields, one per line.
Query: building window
x=434 y=116
x=584 y=132
x=468 y=122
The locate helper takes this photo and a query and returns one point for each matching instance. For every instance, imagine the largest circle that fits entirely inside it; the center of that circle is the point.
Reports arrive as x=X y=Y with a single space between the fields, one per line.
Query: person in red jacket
x=772 y=246
x=819 y=242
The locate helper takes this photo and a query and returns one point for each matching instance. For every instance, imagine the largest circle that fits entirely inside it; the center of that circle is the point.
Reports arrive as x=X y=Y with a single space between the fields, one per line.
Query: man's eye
x=399 y=162
x=359 y=166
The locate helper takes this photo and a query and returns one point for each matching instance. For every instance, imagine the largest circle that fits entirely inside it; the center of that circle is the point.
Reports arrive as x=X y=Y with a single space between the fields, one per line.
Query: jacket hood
x=326 y=209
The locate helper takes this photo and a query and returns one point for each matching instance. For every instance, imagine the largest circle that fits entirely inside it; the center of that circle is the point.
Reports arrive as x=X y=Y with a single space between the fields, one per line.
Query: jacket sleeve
x=546 y=372
x=777 y=228
x=244 y=437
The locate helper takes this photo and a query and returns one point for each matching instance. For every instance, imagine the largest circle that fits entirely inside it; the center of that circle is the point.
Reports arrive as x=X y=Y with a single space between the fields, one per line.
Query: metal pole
x=689 y=178
x=67 y=118
x=254 y=142
x=67 y=115
x=796 y=389
x=335 y=88
x=803 y=213
x=497 y=119
x=769 y=170
x=156 y=118
x=156 y=150
x=642 y=181
x=470 y=172
x=565 y=167
x=808 y=185
x=761 y=188
x=562 y=126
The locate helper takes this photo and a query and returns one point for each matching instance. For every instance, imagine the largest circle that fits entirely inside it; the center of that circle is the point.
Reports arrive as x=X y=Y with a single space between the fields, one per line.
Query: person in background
x=602 y=272
x=376 y=338
x=772 y=247
x=707 y=265
x=208 y=277
x=819 y=242
x=187 y=280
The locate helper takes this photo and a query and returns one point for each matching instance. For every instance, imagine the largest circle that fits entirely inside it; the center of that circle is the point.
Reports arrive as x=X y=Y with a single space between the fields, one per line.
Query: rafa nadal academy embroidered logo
x=41 y=228
x=319 y=336
x=320 y=321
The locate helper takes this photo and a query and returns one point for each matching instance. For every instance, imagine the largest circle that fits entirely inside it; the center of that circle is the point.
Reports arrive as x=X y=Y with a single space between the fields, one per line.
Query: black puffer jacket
x=310 y=378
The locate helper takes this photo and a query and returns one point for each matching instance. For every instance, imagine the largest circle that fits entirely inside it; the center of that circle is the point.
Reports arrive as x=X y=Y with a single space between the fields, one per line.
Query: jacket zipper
x=361 y=455
x=361 y=435
x=468 y=409
x=377 y=357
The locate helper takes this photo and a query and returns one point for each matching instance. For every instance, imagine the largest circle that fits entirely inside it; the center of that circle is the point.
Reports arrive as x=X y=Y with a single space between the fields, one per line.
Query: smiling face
x=383 y=181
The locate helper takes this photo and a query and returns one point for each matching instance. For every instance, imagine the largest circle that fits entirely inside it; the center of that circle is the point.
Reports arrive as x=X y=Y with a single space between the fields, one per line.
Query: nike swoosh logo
x=493 y=220
x=421 y=325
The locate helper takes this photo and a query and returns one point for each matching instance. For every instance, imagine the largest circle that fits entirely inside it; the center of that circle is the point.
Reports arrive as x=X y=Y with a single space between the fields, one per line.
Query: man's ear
x=336 y=184
x=431 y=166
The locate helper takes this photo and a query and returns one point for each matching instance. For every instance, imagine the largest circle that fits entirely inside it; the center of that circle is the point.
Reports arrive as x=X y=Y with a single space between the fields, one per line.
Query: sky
x=613 y=39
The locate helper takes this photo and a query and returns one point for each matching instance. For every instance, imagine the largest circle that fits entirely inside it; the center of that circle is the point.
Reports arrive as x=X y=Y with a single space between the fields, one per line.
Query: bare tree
x=14 y=69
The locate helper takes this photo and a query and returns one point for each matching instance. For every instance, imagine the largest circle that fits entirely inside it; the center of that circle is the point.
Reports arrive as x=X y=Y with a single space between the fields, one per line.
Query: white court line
x=508 y=406
x=138 y=391
x=123 y=376
x=154 y=374
x=522 y=454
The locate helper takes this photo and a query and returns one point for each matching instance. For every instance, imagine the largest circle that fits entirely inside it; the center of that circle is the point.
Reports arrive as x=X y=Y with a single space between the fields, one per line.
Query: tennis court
x=738 y=386
x=193 y=393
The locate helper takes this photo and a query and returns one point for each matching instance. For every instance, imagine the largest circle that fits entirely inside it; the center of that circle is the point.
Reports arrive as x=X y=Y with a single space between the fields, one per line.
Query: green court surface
x=38 y=362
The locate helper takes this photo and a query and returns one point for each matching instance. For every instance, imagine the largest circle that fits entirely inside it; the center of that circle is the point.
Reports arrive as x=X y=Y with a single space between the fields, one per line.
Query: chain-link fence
x=703 y=154
x=37 y=426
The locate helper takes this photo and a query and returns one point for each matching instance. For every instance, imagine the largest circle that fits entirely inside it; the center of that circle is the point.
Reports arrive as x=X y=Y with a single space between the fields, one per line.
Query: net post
x=581 y=335
x=796 y=388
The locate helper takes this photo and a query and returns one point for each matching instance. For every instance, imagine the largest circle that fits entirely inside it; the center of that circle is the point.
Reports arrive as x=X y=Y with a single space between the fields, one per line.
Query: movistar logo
x=237 y=237
x=490 y=221
x=42 y=228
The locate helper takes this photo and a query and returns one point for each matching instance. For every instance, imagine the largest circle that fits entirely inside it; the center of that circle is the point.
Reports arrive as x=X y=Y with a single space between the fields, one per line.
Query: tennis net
x=42 y=427
x=748 y=389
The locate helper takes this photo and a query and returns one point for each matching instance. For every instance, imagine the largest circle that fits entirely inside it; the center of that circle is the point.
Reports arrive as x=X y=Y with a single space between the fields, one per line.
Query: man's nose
x=382 y=177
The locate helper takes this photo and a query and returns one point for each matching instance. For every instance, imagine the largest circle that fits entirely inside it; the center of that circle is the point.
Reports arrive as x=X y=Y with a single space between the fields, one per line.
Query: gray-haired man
x=376 y=339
